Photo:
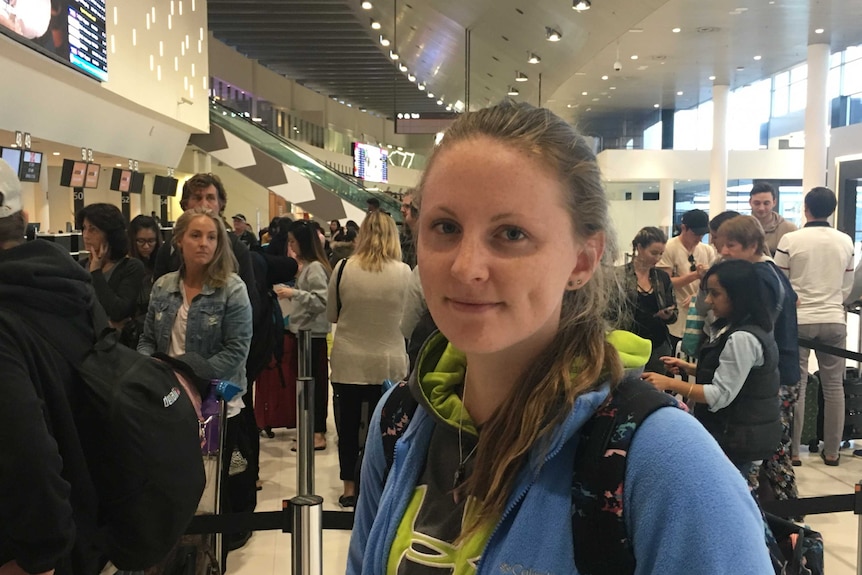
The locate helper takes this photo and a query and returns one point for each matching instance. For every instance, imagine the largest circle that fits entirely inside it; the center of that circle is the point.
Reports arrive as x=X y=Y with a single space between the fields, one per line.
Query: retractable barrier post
x=307 y=539
x=305 y=417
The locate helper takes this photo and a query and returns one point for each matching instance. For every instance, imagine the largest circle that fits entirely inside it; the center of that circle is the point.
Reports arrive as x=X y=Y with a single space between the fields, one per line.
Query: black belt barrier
x=263 y=521
x=837 y=351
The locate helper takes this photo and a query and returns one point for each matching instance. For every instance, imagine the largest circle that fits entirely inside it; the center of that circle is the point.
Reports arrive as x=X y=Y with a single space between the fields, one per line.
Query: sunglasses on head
x=693 y=266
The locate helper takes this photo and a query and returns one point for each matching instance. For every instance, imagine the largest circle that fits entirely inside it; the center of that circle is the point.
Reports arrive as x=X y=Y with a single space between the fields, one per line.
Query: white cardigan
x=368 y=346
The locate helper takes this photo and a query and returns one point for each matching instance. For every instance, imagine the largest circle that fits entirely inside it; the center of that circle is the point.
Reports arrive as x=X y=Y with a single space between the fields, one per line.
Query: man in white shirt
x=686 y=259
x=818 y=259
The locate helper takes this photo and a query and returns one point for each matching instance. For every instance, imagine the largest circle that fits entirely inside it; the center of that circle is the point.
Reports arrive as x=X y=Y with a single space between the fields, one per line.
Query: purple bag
x=210 y=422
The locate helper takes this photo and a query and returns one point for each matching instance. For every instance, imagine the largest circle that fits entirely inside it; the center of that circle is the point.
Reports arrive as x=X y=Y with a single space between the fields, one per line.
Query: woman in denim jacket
x=203 y=307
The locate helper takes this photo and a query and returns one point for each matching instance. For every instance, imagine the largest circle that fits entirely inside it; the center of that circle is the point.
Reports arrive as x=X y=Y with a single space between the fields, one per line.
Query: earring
x=572 y=284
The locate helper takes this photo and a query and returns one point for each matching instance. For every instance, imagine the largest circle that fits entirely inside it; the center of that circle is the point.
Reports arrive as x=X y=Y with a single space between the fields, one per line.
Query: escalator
x=275 y=163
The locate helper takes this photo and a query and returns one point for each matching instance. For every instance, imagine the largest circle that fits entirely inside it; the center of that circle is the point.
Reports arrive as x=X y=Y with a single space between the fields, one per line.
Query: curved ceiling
x=329 y=46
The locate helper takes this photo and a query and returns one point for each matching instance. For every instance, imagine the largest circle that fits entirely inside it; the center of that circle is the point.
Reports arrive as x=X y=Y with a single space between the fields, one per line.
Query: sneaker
x=238 y=463
x=857 y=453
x=347 y=501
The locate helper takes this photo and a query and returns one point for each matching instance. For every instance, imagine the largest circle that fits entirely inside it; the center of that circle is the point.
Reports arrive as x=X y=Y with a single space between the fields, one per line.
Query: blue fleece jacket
x=687 y=508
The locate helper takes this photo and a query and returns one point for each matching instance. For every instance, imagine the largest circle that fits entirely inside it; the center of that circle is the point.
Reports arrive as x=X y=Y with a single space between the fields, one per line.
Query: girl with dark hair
x=309 y=313
x=736 y=375
x=649 y=295
x=145 y=239
x=117 y=278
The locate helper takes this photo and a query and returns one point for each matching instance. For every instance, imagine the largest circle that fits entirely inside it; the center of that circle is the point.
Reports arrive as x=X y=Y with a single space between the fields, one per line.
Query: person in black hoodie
x=48 y=503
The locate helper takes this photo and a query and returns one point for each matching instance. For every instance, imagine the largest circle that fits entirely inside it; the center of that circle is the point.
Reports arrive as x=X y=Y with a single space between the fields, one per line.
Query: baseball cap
x=10 y=187
x=697 y=221
x=239 y=217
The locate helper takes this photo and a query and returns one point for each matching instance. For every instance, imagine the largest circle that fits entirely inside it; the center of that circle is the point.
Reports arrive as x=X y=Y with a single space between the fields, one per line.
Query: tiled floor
x=269 y=552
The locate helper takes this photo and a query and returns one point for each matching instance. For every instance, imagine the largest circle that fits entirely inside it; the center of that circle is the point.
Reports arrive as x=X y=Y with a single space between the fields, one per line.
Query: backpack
x=599 y=536
x=141 y=439
x=267 y=341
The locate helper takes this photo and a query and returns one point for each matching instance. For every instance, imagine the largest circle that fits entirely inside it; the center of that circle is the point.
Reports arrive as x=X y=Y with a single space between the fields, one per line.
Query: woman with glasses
x=117 y=278
x=145 y=239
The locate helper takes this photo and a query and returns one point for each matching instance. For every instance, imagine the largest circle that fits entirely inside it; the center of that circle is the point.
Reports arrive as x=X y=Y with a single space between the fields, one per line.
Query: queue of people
x=535 y=336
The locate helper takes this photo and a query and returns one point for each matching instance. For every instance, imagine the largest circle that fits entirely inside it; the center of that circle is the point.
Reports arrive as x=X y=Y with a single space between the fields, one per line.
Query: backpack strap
x=600 y=538
x=338 y=287
x=395 y=416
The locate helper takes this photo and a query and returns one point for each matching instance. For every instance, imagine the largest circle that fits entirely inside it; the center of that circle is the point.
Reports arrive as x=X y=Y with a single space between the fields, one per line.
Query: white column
x=718 y=160
x=665 y=200
x=816 y=118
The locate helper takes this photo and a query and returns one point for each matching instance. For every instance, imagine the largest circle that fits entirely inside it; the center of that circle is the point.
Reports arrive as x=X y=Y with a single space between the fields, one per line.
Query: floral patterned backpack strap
x=600 y=539
x=394 y=418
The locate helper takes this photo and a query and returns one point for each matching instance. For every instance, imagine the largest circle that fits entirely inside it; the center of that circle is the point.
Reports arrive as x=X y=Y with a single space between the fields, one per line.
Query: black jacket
x=750 y=427
x=663 y=290
x=120 y=294
x=47 y=501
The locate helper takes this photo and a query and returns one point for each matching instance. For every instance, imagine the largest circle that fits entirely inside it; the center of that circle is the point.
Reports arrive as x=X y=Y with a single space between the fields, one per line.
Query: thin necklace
x=462 y=461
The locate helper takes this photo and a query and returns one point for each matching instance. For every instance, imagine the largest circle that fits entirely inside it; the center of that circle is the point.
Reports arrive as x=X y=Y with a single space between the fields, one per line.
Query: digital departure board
x=88 y=44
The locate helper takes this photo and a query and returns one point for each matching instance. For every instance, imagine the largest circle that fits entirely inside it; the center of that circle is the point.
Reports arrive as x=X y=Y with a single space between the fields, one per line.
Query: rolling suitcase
x=275 y=390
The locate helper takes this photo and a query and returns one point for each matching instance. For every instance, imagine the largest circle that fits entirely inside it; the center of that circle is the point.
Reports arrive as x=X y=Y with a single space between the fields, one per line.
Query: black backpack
x=267 y=342
x=141 y=438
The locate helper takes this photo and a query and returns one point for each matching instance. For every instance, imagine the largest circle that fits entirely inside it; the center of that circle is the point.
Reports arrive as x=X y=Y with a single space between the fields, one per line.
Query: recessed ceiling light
x=375 y=25
x=595 y=99
x=366 y=5
x=119 y=165
x=613 y=87
x=676 y=30
x=521 y=77
x=56 y=153
x=393 y=55
x=513 y=91
x=439 y=102
x=584 y=93
x=656 y=106
x=533 y=59
x=411 y=77
x=581 y=5
x=634 y=56
x=568 y=105
x=552 y=35
x=430 y=95
x=740 y=68
x=402 y=67
x=712 y=77
x=448 y=107
x=679 y=93
x=421 y=86
x=384 y=41
x=819 y=31
x=758 y=57
x=604 y=77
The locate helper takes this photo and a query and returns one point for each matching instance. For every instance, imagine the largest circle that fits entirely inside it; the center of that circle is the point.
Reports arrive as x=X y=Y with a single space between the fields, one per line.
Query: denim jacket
x=219 y=324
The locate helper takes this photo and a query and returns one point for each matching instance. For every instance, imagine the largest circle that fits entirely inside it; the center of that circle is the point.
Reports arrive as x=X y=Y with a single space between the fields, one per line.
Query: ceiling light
x=584 y=93
x=375 y=25
x=604 y=77
x=411 y=77
x=56 y=153
x=421 y=86
x=552 y=35
x=521 y=77
x=393 y=55
x=430 y=95
x=513 y=91
x=712 y=77
x=449 y=107
x=819 y=31
x=679 y=93
x=384 y=41
x=402 y=67
x=656 y=106
x=634 y=56
x=758 y=57
x=676 y=30
x=533 y=59
x=613 y=87
x=439 y=102
x=581 y=5
x=366 y=5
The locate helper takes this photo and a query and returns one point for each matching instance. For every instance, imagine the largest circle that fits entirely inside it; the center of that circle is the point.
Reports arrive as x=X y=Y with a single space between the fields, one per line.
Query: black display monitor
x=73 y=174
x=137 y=185
x=31 y=166
x=121 y=180
x=92 y=179
x=13 y=158
x=165 y=186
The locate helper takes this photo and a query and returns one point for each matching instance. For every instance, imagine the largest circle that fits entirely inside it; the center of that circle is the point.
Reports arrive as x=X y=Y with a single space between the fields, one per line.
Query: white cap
x=10 y=187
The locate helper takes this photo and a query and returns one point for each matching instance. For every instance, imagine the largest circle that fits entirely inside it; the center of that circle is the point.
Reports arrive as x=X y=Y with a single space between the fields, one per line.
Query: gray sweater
x=309 y=300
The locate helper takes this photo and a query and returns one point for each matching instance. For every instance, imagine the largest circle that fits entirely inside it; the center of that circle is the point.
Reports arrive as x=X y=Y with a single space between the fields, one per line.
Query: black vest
x=749 y=428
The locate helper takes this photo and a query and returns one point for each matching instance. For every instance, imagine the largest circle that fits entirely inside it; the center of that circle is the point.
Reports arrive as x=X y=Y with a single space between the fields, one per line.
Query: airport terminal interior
x=311 y=108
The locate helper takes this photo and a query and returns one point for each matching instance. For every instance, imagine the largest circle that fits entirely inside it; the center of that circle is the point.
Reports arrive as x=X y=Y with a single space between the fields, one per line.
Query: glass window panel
x=704 y=126
x=685 y=130
x=798 y=95
x=782 y=79
x=833 y=83
x=852 y=78
x=779 y=101
x=652 y=137
x=799 y=73
x=853 y=53
x=835 y=59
